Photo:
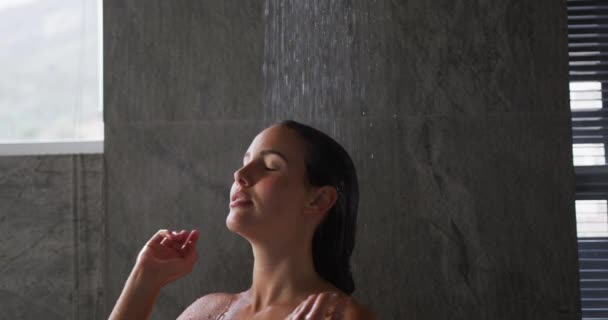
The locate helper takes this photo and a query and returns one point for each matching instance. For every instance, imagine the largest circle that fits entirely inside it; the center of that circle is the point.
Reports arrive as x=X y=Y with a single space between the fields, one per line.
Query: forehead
x=281 y=139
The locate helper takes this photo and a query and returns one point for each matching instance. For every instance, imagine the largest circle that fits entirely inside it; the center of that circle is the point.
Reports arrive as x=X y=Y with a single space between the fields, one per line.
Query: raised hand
x=326 y=305
x=168 y=255
x=164 y=258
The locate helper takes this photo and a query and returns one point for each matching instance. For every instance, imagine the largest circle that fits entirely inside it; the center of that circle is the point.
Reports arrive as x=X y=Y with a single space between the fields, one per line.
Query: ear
x=323 y=199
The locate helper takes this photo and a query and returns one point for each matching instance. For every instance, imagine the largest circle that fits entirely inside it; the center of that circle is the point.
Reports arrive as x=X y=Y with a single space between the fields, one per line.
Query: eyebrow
x=268 y=151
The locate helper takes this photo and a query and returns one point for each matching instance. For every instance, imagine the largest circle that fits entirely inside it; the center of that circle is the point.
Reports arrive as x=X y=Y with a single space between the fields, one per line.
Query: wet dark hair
x=327 y=163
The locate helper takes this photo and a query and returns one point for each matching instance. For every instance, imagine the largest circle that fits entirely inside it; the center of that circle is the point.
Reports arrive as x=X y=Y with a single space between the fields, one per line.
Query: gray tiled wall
x=455 y=113
x=51 y=237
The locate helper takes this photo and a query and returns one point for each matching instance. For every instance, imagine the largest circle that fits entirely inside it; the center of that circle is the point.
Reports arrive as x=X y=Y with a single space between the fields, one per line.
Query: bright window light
x=51 y=79
x=591 y=218
x=588 y=154
x=585 y=95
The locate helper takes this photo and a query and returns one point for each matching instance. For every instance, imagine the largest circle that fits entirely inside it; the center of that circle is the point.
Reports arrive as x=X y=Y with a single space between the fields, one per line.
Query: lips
x=240 y=199
x=239 y=196
x=240 y=203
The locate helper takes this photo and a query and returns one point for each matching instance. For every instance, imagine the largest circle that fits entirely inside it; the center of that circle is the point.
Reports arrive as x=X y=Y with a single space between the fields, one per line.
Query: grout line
x=75 y=225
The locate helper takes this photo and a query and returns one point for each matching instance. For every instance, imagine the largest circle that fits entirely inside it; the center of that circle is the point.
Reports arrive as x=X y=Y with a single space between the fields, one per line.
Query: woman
x=295 y=200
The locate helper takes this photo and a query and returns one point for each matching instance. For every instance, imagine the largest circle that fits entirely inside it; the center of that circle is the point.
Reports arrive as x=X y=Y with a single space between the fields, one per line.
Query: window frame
x=51 y=148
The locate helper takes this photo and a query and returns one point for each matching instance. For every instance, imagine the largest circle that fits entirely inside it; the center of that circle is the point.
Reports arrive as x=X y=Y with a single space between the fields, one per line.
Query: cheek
x=278 y=195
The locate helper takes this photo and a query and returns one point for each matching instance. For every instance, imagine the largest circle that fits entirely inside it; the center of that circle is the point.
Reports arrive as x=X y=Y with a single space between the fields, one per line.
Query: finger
x=173 y=244
x=303 y=308
x=188 y=251
x=321 y=306
x=297 y=309
x=170 y=241
x=180 y=235
x=176 y=240
x=187 y=241
x=192 y=237
x=190 y=246
x=159 y=236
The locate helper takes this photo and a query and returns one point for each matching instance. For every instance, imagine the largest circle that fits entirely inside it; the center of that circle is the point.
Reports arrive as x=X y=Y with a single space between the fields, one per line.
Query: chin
x=244 y=224
x=230 y=224
x=237 y=221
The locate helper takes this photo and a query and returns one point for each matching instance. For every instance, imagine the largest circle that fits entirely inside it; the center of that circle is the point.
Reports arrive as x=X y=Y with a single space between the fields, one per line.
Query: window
x=588 y=73
x=51 y=79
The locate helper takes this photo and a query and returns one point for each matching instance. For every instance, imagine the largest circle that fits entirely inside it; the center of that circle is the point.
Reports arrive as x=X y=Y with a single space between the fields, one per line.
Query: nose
x=240 y=178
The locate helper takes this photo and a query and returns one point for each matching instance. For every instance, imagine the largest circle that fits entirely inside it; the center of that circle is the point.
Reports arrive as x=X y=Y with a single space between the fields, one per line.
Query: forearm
x=137 y=298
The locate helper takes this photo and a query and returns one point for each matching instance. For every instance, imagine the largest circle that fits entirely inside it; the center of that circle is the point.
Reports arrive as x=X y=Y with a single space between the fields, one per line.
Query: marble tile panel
x=51 y=248
x=466 y=217
x=182 y=61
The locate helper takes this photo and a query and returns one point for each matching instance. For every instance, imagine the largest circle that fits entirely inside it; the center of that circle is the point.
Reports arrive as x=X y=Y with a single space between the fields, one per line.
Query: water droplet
x=363 y=113
x=372 y=156
x=371 y=124
x=394 y=115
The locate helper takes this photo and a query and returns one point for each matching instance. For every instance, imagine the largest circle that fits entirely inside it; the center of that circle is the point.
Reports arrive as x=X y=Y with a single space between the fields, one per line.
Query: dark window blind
x=588 y=76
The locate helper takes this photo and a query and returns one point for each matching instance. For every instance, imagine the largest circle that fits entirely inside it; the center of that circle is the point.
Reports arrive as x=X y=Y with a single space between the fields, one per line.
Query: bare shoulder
x=357 y=311
x=208 y=306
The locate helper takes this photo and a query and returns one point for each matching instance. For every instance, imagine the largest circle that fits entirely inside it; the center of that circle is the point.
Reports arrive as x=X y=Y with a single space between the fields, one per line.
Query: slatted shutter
x=588 y=70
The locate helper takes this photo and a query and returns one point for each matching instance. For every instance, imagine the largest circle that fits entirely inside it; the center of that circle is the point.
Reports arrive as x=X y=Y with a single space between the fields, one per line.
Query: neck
x=282 y=276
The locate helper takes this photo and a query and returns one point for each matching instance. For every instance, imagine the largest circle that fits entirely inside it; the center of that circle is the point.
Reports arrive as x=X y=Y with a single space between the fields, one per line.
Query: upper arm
x=208 y=305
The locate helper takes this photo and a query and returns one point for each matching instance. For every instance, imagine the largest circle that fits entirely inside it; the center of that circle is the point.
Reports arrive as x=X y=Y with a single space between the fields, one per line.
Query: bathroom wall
x=455 y=113
x=51 y=237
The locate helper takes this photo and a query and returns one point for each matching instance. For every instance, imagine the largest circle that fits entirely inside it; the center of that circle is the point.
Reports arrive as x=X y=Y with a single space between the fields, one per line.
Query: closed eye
x=265 y=167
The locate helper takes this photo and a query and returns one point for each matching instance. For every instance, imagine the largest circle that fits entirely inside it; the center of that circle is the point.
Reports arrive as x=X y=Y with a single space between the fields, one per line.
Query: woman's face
x=272 y=180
